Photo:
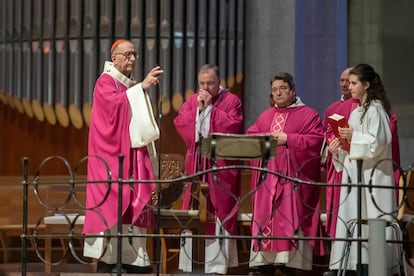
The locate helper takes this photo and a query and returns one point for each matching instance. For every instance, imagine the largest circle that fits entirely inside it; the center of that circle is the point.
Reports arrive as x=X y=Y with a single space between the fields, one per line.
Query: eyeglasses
x=281 y=89
x=128 y=55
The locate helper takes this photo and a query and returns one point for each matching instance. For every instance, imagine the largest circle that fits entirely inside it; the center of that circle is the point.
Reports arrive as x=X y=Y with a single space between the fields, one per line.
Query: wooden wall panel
x=24 y=136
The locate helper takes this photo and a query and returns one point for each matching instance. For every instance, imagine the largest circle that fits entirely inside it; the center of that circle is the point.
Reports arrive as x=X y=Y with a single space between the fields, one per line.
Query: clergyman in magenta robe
x=282 y=208
x=117 y=105
x=212 y=109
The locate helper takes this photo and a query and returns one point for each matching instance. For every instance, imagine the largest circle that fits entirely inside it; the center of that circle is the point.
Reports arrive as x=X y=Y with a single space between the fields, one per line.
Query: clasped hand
x=204 y=99
x=280 y=137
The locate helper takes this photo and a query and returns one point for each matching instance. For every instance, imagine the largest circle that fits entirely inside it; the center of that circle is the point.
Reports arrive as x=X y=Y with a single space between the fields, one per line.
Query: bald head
x=344 y=83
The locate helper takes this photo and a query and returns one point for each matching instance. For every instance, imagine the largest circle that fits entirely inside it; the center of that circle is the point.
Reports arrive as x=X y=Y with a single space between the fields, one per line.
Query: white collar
x=116 y=74
x=296 y=103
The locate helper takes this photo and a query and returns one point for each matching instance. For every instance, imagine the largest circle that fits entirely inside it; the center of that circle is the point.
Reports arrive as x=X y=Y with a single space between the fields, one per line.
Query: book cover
x=335 y=121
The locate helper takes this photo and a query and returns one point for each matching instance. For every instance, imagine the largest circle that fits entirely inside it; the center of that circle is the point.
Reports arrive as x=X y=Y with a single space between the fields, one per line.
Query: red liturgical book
x=335 y=121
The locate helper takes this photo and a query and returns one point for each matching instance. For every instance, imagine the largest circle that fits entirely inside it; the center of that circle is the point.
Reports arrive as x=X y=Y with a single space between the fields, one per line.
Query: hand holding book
x=337 y=121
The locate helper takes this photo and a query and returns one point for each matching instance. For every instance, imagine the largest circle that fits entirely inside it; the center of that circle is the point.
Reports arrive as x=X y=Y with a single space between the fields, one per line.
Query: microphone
x=201 y=109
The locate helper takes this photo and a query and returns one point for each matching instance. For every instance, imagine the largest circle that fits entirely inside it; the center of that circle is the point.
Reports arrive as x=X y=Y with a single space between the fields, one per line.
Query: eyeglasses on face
x=128 y=55
x=281 y=89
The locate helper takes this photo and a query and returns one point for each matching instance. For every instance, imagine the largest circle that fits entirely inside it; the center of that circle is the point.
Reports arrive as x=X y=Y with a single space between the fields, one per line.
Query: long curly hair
x=376 y=90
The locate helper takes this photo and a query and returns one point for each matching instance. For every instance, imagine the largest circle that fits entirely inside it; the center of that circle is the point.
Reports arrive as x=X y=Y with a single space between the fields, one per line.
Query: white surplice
x=371 y=142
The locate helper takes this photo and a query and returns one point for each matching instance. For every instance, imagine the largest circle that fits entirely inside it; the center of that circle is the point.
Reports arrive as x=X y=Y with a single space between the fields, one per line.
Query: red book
x=335 y=121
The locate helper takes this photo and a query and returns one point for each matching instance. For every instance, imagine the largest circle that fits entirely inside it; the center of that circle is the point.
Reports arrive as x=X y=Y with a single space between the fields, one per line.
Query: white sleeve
x=143 y=128
x=338 y=159
x=203 y=122
x=374 y=137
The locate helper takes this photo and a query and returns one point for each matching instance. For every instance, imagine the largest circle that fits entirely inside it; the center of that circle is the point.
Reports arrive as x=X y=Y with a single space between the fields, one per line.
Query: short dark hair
x=283 y=76
x=286 y=77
